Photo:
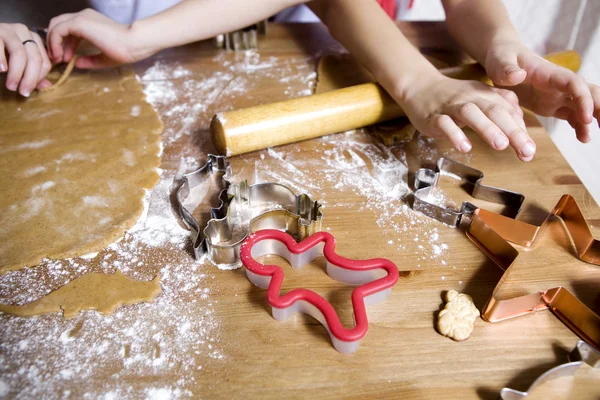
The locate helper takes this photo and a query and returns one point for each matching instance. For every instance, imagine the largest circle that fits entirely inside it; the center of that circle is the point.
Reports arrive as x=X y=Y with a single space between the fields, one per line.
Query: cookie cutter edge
x=303 y=220
x=372 y=287
x=427 y=179
x=583 y=353
x=578 y=317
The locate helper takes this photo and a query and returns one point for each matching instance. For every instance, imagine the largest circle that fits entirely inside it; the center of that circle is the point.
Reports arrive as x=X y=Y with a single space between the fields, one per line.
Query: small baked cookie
x=458 y=316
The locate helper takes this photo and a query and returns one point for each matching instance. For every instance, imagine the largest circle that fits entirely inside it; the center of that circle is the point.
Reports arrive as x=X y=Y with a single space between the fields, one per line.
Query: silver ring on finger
x=29 y=41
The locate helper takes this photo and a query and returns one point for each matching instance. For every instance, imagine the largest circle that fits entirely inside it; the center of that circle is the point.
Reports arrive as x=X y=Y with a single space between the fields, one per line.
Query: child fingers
x=58 y=34
x=505 y=69
x=472 y=116
x=595 y=91
x=518 y=137
x=563 y=113
x=445 y=125
x=53 y=23
x=3 y=63
x=69 y=46
x=511 y=97
x=582 y=131
x=568 y=82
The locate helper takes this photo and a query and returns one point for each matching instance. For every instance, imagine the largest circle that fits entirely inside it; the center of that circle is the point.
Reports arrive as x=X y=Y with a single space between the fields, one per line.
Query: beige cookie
x=458 y=316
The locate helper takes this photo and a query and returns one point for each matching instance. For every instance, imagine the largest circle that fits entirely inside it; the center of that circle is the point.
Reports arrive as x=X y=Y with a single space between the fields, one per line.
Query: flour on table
x=234 y=75
x=377 y=174
x=49 y=354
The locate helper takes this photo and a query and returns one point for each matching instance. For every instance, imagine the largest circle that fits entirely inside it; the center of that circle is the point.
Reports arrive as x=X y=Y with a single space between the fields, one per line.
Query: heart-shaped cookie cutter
x=374 y=278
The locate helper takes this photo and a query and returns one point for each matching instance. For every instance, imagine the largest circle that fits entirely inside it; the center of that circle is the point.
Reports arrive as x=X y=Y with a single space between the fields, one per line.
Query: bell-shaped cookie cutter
x=491 y=233
x=374 y=279
x=582 y=354
x=427 y=179
x=244 y=209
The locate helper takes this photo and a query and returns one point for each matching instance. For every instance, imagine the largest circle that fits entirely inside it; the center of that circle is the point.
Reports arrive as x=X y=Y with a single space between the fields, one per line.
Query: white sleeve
x=127 y=11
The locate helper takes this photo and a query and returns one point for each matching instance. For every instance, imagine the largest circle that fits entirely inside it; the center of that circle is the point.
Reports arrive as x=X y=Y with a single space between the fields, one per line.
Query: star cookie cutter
x=582 y=354
x=374 y=279
x=427 y=179
x=244 y=209
x=492 y=234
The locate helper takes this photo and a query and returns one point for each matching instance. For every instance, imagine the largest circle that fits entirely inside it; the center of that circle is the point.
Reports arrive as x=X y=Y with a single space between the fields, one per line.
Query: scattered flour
x=49 y=356
x=136 y=111
x=376 y=174
x=33 y=171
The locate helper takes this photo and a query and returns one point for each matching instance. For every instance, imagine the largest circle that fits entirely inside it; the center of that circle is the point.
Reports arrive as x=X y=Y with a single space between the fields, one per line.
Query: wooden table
x=402 y=355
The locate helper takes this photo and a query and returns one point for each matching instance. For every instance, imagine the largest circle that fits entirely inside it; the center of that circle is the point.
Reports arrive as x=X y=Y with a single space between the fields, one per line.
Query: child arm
x=436 y=105
x=186 y=22
x=484 y=29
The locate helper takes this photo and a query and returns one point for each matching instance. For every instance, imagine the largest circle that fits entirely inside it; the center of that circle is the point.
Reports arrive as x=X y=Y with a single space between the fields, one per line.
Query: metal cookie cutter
x=256 y=207
x=583 y=321
x=244 y=209
x=215 y=165
x=583 y=353
x=426 y=180
x=374 y=278
x=243 y=39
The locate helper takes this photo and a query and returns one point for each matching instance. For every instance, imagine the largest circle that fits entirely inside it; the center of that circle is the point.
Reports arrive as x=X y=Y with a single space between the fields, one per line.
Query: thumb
x=503 y=68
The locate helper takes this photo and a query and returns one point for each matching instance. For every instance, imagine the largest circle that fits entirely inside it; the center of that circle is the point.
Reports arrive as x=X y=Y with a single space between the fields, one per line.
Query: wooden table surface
x=402 y=356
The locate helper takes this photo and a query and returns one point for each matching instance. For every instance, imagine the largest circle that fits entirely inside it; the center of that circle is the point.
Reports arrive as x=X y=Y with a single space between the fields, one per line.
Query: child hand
x=543 y=87
x=28 y=62
x=441 y=106
x=114 y=40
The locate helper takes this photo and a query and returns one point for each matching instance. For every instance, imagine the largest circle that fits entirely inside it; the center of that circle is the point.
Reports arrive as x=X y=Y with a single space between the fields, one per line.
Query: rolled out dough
x=342 y=70
x=101 y=292
x=74 y=166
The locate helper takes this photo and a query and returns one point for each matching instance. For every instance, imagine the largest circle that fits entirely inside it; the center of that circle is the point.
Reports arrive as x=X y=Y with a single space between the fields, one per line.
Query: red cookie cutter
x=374 y=278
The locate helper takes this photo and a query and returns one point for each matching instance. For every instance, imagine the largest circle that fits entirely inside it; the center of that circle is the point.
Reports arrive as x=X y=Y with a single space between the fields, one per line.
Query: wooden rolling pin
x=259 y=127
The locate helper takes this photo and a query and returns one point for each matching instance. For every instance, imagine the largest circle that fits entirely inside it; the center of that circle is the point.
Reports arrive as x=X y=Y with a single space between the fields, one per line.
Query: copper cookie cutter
x=244 y=209
x=492 y=233
x=583 y=353
x=427 y=180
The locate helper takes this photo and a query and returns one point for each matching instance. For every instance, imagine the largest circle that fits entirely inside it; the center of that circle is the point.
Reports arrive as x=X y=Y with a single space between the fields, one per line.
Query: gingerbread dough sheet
x=342 y=70
x=74 y=166
x=101 y=292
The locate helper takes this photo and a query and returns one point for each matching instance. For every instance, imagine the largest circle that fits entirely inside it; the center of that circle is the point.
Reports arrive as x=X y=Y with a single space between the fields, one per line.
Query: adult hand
x=28 y=63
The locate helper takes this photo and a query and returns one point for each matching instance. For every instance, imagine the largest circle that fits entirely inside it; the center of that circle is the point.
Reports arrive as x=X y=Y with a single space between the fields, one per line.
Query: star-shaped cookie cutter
x=492 y=233
x=244 y=209
x=374 y=277
x=582 y=354
x=427 y=180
